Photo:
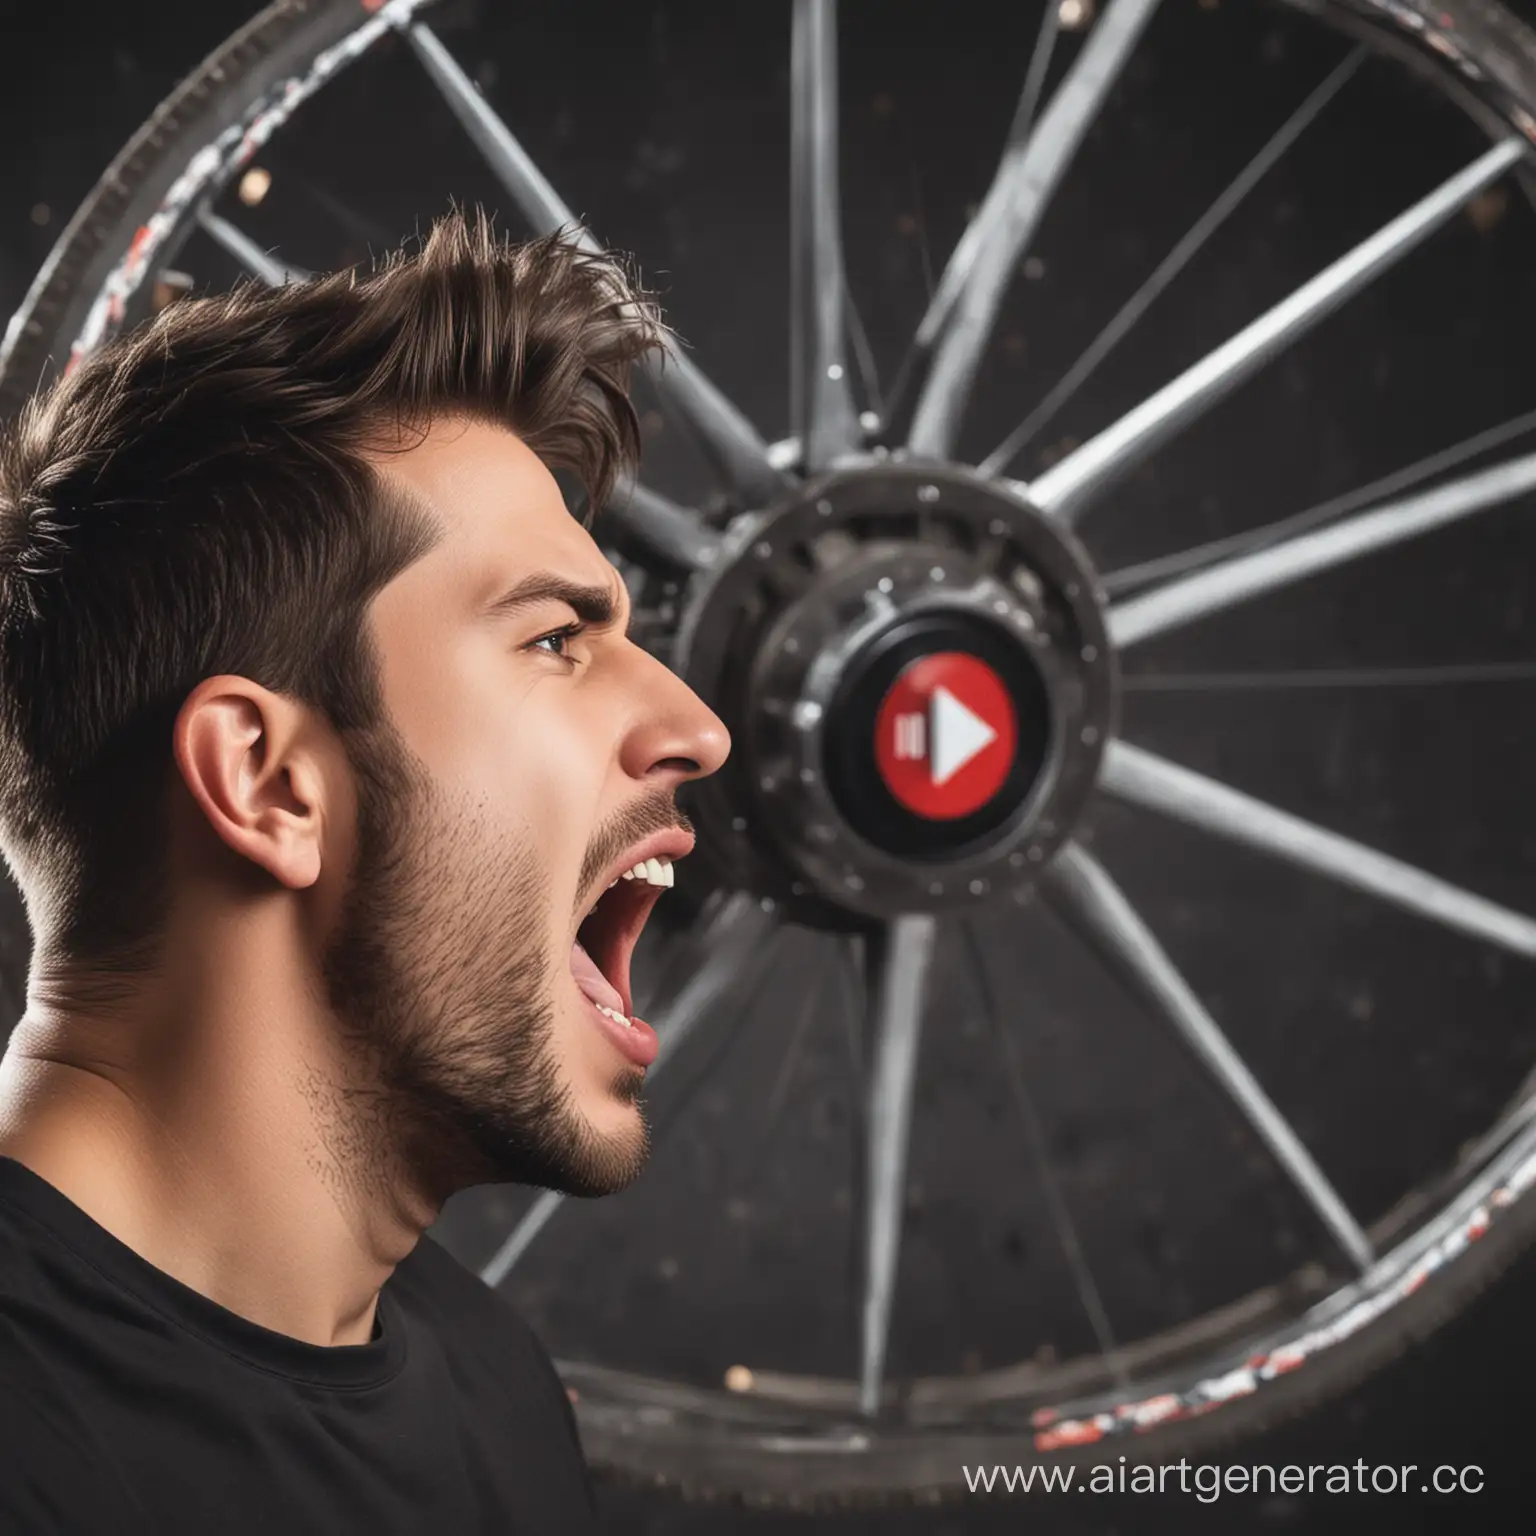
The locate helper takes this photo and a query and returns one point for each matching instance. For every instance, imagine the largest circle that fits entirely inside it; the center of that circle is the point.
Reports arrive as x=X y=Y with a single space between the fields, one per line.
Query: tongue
x=592 y=982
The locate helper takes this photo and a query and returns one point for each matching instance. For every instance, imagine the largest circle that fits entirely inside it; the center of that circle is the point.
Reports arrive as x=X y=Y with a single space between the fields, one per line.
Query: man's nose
x=679 y=734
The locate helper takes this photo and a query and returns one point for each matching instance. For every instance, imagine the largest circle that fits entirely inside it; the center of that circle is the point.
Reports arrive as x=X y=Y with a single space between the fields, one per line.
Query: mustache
x=657 y=811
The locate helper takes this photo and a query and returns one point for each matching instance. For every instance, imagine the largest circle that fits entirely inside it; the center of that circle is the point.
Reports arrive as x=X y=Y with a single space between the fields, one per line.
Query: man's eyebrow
x=592 y=605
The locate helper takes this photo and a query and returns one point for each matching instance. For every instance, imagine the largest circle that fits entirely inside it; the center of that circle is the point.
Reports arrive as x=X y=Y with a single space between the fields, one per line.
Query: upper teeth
x=652 y=871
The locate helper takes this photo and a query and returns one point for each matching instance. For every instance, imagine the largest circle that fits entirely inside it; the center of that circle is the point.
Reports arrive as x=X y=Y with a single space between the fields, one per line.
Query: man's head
x=291 y=602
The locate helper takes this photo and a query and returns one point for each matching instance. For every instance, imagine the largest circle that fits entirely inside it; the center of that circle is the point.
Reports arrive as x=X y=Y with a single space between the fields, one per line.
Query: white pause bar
x=957 y=734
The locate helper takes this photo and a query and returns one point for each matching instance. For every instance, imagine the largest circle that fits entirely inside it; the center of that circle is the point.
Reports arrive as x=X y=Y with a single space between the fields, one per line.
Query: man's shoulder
x=50 y=1477
x=497 y=1353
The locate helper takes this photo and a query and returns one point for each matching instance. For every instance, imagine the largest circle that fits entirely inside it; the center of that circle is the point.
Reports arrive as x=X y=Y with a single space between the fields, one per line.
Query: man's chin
x=628 y=1086
x=613 y=1145
x=590 y=1147
x=604 y=1168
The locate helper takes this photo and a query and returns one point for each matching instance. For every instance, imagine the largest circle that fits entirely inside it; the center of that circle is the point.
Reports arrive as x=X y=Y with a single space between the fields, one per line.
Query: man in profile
x=337 y=795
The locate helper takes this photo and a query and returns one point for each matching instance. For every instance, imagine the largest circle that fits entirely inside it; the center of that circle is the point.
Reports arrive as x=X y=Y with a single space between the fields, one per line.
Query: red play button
x=945 y=736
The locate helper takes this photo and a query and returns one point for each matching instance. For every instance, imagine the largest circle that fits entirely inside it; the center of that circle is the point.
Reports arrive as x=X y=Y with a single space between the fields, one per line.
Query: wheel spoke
x=259 y=263
x=521 y=1237
x=646 y=524
x=1144 y=779
x=898 y=964
x=731 y=442
x=1056 y=1201
x=960 y=317
x=864 y=360
x=821 y=400
x=1067 y=486
x=812 y=979
x=1034 y=77
x=1129 y=578
x=705 y=1063
x=1330 y=677
x=714 y=957
x=1248 y=576
x=809 y=972
x=941 y=301
x=1172 y=264
x=851 y=975
x=1081 y=891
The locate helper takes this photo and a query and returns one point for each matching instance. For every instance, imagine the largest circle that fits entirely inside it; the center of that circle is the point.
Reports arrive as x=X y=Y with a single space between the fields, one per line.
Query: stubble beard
x=439 y=974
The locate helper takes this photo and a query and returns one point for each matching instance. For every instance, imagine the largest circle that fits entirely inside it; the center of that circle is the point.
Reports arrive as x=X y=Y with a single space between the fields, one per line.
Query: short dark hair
x=197 y=498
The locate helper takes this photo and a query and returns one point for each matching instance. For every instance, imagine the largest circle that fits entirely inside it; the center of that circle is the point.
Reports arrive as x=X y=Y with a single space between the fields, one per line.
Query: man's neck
x=226 y=1169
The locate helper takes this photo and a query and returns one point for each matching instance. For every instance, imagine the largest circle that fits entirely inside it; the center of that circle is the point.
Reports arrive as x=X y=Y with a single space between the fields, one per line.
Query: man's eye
x=558 y=639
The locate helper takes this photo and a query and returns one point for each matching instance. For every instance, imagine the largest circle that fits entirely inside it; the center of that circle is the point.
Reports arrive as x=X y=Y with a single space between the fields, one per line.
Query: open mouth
x=606 y=939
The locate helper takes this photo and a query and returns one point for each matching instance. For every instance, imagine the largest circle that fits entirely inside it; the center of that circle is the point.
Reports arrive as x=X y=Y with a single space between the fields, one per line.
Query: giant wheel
x=926 y=666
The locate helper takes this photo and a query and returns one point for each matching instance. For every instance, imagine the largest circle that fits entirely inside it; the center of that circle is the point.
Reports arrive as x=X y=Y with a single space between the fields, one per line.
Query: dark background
x=692 y=181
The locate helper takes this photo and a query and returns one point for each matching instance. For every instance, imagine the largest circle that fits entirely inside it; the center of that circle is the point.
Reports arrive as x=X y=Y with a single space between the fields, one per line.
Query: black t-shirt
x=132 y=1405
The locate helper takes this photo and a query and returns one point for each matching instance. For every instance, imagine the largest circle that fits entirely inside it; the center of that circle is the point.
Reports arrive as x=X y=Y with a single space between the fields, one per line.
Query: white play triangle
x=957 y=734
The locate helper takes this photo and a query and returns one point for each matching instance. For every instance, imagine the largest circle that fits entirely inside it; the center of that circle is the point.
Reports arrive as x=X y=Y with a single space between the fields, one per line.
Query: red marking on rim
x=1073 y=1432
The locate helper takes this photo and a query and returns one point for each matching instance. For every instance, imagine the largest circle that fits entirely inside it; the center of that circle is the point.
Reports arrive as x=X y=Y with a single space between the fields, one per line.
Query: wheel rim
x=881 y=491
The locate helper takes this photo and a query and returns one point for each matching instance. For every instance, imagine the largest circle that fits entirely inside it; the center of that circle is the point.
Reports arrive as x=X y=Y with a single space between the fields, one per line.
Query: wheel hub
x=915 y=671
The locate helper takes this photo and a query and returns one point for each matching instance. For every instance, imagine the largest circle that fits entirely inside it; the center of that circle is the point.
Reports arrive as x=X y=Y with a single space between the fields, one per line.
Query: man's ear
x=248 y=758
